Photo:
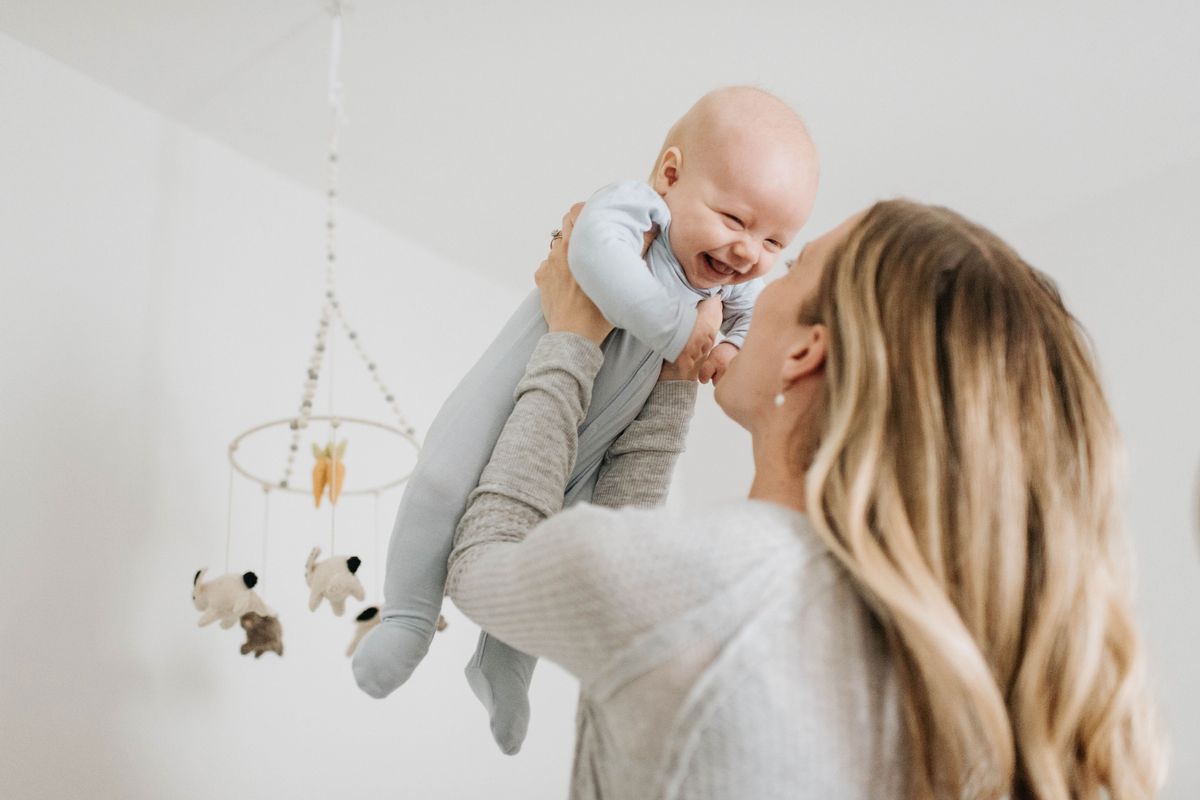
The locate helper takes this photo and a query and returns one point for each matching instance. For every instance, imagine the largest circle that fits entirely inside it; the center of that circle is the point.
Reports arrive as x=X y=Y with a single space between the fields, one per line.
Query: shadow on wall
x=82 y=413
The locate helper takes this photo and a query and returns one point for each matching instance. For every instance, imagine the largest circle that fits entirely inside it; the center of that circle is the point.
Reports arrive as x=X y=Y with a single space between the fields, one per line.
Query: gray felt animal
x=363 y=623
x=263 y=634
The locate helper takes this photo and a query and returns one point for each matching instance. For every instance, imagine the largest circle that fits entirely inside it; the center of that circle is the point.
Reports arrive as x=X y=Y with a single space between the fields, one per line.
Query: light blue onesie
x=654 y=311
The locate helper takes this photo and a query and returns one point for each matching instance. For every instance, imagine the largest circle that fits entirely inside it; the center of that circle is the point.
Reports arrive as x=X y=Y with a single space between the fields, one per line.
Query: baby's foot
x=387 y=655
x=499 y=676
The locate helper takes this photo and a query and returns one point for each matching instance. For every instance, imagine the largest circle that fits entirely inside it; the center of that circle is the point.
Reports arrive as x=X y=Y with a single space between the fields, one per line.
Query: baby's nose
x=745 y=253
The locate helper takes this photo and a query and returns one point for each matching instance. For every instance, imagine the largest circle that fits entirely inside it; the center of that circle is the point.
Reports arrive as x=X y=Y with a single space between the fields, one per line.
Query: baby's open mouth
x=719 y=267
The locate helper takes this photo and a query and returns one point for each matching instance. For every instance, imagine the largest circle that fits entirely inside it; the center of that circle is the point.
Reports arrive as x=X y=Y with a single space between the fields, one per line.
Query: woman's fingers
x=557 y=257
x=564 y=305
x=568 y=223
x=568 y=220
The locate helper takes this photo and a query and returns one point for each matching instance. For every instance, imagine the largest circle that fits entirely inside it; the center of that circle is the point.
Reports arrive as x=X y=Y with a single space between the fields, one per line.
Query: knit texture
x=721 y=653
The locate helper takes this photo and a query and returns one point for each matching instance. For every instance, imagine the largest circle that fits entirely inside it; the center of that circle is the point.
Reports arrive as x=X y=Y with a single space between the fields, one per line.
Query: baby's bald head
x=732 y=120
x=739 y=174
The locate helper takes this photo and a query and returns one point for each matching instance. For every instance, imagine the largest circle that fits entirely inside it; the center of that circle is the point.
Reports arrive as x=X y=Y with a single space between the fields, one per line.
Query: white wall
x=1128 y=263
x=160 y=295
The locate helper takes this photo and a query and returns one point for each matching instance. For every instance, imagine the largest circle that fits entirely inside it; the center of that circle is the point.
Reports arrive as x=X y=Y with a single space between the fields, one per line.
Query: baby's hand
x=704 y=335
x=717 y=362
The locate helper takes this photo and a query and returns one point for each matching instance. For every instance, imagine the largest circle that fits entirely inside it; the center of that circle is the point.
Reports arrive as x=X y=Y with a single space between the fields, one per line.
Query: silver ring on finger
x=555 y=235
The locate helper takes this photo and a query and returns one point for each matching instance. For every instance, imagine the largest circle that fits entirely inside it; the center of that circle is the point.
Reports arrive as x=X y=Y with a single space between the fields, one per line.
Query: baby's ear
x=667 y=171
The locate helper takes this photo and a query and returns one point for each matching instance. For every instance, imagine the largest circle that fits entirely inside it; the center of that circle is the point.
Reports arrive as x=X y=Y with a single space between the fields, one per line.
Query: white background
x=160 y=240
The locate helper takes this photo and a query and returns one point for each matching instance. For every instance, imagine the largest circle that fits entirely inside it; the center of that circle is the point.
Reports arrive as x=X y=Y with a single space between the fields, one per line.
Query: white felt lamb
x=227 y=598
x=368 y=618
x=334 y=580
x=363 y=623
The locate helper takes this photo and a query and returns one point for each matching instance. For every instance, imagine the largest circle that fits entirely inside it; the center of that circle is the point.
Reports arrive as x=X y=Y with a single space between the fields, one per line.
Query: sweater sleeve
x=606 y=259
x=551 y=588
x=638 y=466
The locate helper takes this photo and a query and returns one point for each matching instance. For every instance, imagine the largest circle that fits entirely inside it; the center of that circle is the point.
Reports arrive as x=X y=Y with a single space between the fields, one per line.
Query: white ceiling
x=472 y=126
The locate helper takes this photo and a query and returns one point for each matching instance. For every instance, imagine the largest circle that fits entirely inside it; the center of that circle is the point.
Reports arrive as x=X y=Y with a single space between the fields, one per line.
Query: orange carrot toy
x=338 y=472
x=329 y=471
x=320 y=475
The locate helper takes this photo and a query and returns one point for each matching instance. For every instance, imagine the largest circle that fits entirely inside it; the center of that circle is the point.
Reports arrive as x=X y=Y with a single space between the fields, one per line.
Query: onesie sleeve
x=605 y=255
x=556 y=588
x=737 y=308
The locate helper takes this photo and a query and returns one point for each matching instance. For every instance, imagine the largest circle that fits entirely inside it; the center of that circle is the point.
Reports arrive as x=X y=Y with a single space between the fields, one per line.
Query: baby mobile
x=231 y=598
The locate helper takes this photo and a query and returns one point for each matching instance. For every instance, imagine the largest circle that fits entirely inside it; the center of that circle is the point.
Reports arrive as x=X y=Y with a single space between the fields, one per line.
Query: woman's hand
x=690 y=362
x=671 y=371
x=566 y=308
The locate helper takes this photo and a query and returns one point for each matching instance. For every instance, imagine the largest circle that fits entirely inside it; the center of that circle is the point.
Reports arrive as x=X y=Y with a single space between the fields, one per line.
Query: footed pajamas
x=653 y=307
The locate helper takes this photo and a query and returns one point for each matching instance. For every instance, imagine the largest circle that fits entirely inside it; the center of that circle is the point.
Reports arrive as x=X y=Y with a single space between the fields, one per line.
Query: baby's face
x=731 y=216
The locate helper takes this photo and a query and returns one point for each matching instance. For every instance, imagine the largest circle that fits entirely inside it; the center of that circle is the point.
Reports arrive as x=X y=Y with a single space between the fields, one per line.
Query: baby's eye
x=773 y=245
x=734 y=220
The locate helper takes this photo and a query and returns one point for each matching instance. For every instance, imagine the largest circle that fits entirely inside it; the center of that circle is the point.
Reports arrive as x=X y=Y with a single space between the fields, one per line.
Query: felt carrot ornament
x=337 y=471
x=320 y=474
x=329 y=471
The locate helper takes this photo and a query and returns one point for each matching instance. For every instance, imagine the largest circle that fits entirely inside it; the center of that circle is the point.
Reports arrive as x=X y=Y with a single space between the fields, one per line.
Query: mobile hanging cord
x=331 y=301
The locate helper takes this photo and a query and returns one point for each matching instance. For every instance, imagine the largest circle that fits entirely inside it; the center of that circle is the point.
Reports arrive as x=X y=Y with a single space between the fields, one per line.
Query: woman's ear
x=806 y=357
x=667 y=171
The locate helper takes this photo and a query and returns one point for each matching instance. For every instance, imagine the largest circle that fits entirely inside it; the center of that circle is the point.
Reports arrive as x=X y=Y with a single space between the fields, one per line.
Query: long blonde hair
x=966 y=477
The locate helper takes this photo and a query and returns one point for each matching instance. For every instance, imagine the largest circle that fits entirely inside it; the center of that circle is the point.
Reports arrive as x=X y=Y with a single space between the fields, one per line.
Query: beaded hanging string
x=266 y=524
x=332 y=306
x=330 y=309
x=388 y=397
x=333 y=426
x=335 y=103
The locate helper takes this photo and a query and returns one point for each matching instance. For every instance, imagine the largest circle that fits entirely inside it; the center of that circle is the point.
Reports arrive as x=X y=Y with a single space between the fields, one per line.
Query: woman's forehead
x=810 y=264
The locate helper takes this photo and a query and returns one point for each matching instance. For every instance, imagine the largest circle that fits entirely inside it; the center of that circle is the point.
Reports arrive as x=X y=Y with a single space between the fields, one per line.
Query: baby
x=734 y=182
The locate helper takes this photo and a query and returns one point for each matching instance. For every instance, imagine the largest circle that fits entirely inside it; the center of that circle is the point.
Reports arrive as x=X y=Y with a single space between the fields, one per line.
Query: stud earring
x=779 y=400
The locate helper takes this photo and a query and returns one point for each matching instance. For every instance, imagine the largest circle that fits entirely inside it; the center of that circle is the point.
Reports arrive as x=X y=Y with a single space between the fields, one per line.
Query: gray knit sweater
x=721 y=653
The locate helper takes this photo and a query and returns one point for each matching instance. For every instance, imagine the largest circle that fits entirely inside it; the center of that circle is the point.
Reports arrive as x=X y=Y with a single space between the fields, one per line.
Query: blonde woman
x=926 y=594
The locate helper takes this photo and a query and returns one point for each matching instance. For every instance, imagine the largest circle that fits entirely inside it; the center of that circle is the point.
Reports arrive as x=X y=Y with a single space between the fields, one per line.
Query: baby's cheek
x=689 y=272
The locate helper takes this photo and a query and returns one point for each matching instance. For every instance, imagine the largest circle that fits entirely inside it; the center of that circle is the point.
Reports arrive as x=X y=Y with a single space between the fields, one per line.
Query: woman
x=924 y=596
